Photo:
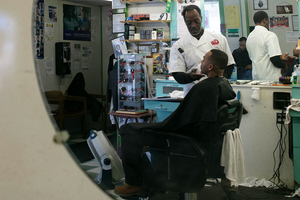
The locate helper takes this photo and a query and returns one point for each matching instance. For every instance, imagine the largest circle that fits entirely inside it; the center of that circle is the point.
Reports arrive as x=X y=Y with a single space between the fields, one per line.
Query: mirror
x=67 y=47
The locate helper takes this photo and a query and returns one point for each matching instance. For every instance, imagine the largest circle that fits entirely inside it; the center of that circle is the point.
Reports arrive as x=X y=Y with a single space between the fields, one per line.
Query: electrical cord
x=280 y=186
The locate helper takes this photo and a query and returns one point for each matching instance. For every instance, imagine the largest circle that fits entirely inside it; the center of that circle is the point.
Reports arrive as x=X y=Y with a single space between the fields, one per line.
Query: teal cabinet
x=163 y=108
x=296 y=137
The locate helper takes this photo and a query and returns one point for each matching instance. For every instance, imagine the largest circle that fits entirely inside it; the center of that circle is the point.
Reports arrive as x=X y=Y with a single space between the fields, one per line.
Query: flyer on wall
x=52 y=10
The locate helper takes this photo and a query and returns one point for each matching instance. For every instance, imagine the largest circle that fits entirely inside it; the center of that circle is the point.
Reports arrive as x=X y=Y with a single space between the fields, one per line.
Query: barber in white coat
x=264 y=50
x=187 y=53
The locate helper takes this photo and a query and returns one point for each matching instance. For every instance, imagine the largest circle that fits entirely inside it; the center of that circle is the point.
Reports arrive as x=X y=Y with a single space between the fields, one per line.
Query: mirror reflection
x=106 y=73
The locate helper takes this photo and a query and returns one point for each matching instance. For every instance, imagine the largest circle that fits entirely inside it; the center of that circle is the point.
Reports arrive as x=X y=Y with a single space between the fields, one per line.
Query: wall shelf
x=150 y=40
x=147 y=21
x=142 y=1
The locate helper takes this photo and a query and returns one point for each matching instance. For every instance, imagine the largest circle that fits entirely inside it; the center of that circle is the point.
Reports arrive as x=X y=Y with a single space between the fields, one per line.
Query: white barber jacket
x=262 y=45
x=193 y=52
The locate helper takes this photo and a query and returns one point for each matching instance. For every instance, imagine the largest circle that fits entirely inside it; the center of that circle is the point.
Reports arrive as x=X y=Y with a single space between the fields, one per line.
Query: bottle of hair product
x=234 y=74
x=296 y=76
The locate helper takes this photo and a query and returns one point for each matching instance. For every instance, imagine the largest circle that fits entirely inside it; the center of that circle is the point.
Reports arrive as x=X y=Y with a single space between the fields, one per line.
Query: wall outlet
x=280 y=118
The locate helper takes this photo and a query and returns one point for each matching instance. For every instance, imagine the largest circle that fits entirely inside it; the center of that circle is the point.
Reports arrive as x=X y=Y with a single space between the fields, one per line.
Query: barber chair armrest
x=175 y=143
x=233 y=103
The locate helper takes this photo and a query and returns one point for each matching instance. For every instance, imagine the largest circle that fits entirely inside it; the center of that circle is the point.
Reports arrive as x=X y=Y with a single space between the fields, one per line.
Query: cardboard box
x=137 y=17
x=160 y=16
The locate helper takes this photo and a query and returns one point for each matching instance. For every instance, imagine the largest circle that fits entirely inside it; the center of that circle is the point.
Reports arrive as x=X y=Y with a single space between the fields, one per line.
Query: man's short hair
x=242 y=39
x=218 y=58
x=190 y=8
x=260 y=16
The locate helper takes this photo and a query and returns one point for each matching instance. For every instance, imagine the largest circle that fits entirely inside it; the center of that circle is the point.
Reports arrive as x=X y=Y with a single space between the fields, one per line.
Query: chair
x=178 y=163
x=62 y=112
x=103 y=111
x=93 y=106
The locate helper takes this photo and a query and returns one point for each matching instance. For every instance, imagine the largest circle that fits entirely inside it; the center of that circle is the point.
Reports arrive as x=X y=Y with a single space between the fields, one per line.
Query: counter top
x=261 y=84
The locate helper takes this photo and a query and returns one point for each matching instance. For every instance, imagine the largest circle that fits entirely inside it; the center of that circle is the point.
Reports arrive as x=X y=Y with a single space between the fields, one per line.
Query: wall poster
x=279 y=21
x=77 y=23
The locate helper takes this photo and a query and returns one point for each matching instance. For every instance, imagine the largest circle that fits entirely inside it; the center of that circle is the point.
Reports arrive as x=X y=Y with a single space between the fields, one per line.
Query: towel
x=176 y=94
x=232 y=158
x=295 y=105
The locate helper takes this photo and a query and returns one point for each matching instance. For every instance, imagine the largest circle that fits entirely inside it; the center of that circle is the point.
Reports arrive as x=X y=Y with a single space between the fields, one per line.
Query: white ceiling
x=93 y=2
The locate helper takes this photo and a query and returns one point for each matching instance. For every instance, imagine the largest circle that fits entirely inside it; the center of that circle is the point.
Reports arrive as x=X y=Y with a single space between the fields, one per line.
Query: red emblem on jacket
x=215 y=42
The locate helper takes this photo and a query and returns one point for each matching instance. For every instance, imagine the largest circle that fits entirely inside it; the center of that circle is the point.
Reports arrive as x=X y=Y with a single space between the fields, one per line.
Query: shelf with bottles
x=147 y=21
x=142 y=1
x=131 y=83
x=148 y=40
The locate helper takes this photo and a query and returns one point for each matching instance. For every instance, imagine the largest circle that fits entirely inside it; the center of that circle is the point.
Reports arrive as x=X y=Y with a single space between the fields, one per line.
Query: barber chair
x=180 y=164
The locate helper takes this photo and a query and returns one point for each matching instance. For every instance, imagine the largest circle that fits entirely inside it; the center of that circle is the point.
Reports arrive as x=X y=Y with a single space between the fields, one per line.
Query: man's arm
x=277 y=62
x=184 y=78
x=228 y=71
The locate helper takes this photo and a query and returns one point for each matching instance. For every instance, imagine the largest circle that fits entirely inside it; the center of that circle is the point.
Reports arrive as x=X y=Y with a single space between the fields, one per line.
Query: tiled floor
x=92 y=169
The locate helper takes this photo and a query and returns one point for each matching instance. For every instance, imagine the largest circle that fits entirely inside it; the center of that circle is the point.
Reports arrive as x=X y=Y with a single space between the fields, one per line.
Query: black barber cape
x=199 y=106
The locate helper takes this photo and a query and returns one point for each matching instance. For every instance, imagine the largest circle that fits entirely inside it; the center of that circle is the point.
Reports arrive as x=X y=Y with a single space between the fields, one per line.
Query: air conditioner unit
x=108 y=159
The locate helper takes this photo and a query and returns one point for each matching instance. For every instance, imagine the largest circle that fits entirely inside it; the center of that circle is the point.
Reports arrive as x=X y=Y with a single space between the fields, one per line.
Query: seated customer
x=195 y=114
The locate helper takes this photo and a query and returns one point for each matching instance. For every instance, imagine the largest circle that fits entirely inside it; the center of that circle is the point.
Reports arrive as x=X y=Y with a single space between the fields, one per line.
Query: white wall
x=32 y=166
x=107 y=36
x=93 y=74
x=281 y=33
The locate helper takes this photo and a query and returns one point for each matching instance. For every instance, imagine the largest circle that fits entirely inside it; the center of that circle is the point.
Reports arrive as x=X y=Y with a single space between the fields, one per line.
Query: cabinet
x=131 y=83
x=296 y=137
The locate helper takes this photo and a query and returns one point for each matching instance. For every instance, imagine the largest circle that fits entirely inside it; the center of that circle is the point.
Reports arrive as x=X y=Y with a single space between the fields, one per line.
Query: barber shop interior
x=98 y=99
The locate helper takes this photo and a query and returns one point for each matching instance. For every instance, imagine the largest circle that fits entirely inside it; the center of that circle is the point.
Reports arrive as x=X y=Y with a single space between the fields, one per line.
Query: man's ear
x=210 y=67
x=265 y=21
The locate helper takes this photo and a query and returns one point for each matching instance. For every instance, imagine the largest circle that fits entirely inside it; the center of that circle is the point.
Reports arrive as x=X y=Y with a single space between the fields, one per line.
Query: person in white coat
x=187 y=53
x=264 y=50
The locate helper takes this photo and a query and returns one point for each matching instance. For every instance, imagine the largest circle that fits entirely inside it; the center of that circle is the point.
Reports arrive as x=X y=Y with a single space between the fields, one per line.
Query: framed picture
x=145 y=49
x=295 y=21
x=285 y=9
x=260 y=4
x=118 y=27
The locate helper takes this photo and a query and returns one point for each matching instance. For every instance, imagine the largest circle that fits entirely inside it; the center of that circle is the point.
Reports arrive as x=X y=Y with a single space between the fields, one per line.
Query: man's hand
x=248 y=67
x=194 y=75
x=296 y=52
x=284 y=56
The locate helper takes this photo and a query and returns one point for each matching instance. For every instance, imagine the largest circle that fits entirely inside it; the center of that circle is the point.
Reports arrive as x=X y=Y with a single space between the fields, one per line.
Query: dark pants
x=132 y=146
x=243 y=74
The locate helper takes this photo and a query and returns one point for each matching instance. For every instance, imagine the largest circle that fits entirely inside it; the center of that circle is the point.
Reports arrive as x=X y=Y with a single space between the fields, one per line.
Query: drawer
x=161 y=105
x=163 y=108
